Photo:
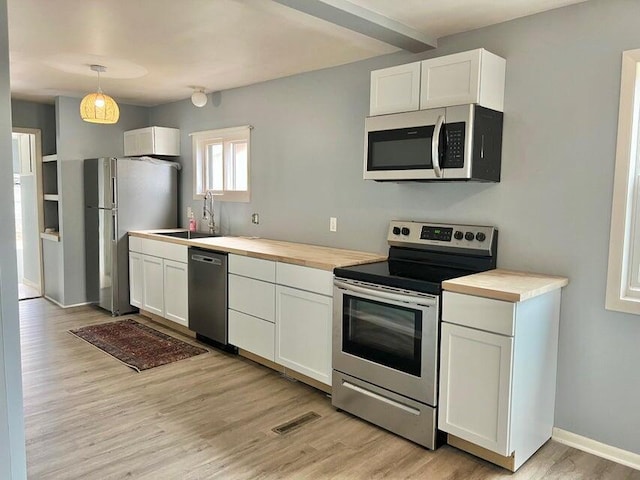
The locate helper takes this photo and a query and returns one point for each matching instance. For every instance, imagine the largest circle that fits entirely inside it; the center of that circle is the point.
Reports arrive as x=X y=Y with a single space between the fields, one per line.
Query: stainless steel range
x=386 y=324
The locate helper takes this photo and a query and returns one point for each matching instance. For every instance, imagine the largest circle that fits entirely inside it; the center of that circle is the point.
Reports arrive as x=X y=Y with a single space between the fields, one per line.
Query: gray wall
x=12 y=449
x=36 y=115
x=552 y=206
x=77 y=140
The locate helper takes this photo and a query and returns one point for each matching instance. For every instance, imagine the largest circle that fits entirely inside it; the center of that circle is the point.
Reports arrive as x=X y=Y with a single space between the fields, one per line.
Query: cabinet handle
x=397 y=297
x=380 y=398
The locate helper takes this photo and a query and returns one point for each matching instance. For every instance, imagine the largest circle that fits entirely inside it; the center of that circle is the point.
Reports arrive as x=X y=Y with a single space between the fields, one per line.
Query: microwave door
x=401 y=146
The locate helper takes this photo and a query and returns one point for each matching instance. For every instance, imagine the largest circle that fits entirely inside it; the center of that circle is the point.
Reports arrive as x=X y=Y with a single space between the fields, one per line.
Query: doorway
x=27 y=190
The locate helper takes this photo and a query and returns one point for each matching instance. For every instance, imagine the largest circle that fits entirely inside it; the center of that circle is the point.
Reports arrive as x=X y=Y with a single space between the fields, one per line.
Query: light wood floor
x=89 y=417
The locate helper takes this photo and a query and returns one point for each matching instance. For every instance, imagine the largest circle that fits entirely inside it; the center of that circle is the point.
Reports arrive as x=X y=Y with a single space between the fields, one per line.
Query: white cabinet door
x=395 y=89
x=252 y=334
x=153 y=285
x=475 y=387
x=135 y=279
x=176 y=292
x=476 y=76
x=303 y=332
x=450 y=80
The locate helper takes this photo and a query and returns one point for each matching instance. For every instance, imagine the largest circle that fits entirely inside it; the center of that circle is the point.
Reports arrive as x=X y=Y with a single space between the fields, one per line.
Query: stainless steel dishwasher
x=208 y=297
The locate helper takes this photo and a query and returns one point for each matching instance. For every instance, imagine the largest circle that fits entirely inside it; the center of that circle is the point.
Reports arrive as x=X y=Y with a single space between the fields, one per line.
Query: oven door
x=386 y=336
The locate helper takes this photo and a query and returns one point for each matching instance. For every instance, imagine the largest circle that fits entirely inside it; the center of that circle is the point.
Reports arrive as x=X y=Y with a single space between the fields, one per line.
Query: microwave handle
x=435 y=147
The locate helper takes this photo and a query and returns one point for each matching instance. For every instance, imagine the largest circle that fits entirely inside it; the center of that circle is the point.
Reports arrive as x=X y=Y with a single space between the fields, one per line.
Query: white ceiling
x=154 y=50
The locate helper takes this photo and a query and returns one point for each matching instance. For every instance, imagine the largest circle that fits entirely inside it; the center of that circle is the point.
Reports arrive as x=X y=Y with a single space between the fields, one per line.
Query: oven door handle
x=397 y=297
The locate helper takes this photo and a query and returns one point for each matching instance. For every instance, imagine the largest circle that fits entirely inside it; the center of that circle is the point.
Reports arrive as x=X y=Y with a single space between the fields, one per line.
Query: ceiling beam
x=366 y=22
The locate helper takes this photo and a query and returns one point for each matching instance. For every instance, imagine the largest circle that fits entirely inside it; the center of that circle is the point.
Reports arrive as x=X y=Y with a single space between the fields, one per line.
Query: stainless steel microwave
x=453 y=143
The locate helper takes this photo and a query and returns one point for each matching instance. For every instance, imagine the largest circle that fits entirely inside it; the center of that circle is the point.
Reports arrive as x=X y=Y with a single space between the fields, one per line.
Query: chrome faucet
x=207 y=211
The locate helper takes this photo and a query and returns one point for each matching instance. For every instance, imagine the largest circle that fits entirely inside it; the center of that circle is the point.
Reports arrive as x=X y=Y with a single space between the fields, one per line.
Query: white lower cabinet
x=152 y=285
x=252 y=305
x=176 y=292
x=498 y=374
x=135 y=279
x=475 y=393
x=158 y=279
x=303 y=332
x=283 y=313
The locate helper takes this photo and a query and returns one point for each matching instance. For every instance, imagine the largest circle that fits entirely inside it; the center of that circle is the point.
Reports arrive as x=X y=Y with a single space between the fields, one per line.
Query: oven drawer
x=400 y=415
x=486 y=314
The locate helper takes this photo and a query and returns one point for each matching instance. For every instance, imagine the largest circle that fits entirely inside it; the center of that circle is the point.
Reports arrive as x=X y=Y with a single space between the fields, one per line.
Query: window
x=221 y=163
x=623 y=279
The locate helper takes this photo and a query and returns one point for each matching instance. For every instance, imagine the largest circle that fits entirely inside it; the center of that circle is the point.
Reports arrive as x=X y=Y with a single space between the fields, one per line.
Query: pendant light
x=99 y=107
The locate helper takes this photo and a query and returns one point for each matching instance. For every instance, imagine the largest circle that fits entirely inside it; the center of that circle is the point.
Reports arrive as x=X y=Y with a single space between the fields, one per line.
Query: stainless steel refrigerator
x=122 y=194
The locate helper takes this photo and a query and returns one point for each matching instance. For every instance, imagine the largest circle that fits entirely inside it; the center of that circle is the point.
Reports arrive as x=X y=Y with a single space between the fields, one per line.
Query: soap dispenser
x=192 y=220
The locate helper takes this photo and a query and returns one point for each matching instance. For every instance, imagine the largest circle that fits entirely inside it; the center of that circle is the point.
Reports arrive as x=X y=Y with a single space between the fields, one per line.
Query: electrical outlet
x=255 y=218
x=333 y=224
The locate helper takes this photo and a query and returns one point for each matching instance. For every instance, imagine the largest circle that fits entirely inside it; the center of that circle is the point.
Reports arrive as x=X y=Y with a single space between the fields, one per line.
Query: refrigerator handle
x=113 y=191
x=114 y=227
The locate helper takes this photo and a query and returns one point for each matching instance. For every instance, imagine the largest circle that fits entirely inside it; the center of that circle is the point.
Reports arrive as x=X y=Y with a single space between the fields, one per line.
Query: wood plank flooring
x=87 y=416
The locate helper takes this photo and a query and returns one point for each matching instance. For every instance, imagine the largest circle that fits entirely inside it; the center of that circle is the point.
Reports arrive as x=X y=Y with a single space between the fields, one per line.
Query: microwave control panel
x=454 y=145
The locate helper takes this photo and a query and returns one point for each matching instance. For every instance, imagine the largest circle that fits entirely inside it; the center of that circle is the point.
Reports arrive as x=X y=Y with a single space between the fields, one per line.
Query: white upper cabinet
x=476 y=76
x=395 y=89
x=152 y=141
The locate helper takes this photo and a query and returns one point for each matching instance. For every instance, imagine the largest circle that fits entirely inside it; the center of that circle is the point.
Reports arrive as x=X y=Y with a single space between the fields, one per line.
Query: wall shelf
x=52 y=236
x=50 y=197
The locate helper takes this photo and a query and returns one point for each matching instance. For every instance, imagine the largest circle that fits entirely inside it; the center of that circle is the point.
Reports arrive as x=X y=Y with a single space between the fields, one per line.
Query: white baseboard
x=65 y=306
x=588 y=445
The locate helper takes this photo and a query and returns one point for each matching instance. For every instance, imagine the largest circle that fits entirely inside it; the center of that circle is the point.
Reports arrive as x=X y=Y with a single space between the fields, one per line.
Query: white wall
x=552 y=206
x=12 y=447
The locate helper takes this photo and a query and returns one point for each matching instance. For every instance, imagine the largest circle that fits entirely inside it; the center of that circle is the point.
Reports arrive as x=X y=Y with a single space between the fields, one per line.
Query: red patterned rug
x=136 y=345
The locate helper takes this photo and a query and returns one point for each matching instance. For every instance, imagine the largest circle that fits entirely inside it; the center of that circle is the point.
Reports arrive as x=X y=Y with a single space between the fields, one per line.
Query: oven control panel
x=440 y=236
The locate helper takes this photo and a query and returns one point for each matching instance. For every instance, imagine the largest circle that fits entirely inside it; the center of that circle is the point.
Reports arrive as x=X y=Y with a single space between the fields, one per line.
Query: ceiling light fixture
x=199 y=98
x=99 y=107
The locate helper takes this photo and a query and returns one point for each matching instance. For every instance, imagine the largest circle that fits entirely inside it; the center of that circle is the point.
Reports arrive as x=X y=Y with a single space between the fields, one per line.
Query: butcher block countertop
x=324 y=258
x=507 y=285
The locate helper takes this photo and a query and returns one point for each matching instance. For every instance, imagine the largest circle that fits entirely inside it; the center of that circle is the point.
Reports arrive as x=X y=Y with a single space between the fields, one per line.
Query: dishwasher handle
x=205 y=259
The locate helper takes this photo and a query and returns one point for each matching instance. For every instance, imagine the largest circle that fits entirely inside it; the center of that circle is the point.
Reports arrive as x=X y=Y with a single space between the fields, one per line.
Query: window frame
x=624 y=215
x=199 y=141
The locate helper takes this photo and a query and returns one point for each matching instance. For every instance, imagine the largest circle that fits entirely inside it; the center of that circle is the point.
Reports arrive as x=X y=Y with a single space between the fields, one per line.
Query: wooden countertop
x=315 y=256
x=506 y=285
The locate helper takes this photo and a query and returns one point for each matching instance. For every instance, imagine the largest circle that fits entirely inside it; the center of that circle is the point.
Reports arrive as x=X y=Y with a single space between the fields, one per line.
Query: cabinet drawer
x=135 y=244
x=251 y=296
x=253 y=267
x=170 y=251
x=252 y=334
x=305 y=278
x=476 y=312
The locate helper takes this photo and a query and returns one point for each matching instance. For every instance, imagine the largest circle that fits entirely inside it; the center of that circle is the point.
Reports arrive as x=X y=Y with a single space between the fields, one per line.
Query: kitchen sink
x=187 y=235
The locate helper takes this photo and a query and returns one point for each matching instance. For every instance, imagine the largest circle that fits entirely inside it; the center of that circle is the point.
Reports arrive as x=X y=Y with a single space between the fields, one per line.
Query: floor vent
x=295 y=423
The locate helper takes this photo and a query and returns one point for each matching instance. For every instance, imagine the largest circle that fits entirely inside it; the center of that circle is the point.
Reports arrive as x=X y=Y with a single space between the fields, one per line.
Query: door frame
x=37 y=133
